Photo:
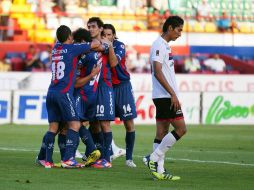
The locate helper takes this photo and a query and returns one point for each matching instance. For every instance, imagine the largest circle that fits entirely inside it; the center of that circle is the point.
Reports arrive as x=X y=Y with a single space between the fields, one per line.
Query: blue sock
x=61 y=144
x=99 y=142
x=87 y=139
x=129 y=140
x=42 y=153
x=72 y=140
x=49 y=142
x=107 y=145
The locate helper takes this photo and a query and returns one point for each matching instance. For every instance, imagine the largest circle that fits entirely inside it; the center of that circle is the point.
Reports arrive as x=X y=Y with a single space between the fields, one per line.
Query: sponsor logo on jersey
x=170 y=56
x=59 y=51
x=54 y=58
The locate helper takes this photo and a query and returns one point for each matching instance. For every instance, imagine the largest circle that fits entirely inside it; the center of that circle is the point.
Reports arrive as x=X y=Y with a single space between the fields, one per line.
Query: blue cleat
x=71 y=163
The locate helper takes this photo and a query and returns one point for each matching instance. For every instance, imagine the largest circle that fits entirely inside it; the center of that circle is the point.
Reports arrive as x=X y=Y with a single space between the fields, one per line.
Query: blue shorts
x=105 y=107
x=125 y=107
x=86 y=107
x=61 y=107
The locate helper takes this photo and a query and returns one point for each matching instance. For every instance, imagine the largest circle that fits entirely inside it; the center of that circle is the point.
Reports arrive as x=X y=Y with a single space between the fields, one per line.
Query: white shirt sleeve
x=158 y=53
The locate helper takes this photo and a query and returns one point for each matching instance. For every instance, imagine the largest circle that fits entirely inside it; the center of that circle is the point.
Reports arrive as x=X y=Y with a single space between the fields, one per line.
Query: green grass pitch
x=207 y=158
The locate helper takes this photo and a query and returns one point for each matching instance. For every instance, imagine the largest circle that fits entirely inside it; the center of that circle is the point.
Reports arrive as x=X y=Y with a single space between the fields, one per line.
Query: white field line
x=138 y=156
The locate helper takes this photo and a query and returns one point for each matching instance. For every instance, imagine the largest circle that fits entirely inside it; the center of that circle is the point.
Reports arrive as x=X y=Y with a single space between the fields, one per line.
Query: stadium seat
x=17 y=64
x=210 y=27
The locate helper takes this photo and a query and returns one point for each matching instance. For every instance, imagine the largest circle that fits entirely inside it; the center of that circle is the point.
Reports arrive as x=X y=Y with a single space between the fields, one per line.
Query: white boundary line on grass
x=138 y=156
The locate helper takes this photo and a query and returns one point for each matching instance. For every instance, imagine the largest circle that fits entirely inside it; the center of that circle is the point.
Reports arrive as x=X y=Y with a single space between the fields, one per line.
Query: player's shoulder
x=119 y=44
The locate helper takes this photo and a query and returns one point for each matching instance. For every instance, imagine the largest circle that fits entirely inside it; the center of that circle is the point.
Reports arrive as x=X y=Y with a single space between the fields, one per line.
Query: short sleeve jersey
x=64 y=66
x=161 y=52
x=120 y=73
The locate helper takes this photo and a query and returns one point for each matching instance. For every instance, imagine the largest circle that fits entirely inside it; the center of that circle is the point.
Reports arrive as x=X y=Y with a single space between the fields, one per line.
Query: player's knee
x=183 y=131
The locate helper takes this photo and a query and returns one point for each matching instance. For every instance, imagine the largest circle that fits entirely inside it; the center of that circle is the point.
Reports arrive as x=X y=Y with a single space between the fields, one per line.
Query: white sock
x=160 y=161
x=114 y=147
x=167 y=142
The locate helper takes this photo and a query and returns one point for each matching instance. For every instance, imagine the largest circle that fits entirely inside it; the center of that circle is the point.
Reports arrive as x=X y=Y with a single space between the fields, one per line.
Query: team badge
x=157 y=52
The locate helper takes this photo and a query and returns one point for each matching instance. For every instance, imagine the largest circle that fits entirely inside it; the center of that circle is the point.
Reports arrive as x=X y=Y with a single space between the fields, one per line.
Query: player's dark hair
x=97 y=20
x=80 y=35
x=111 y=27
x=62 y=33
x=173 y=21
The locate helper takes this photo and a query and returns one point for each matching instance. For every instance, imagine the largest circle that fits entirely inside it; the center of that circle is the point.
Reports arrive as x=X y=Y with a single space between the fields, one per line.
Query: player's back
x=64 y=65
x=120 y=73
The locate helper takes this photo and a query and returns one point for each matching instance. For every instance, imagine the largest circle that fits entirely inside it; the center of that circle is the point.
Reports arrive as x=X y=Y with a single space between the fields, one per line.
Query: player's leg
x=107 y=136
x=97 y=136
x=46 y=151
x=164 y=115
x=126 y=109
x=116 y=151
x=49 y=142
x=91 y=153
x=129 y=140
x=62 y=138
x=69 y=114
x=162 y=128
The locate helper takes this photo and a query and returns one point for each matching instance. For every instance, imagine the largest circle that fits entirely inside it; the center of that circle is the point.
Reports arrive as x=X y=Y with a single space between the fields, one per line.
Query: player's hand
x=106 y=41
x=95 y=71
x=95 y=44
x=175 y=104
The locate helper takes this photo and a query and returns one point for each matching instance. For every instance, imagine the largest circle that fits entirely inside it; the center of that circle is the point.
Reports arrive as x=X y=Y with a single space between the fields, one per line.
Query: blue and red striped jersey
x=64 y=66
x=119 y=73
x=105 y=75
x=86 y=64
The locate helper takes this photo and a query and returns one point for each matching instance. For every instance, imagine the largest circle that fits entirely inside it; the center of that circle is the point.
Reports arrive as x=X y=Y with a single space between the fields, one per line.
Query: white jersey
x=161 y=52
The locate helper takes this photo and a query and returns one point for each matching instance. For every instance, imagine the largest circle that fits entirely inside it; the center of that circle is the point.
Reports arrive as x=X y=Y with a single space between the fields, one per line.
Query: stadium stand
x=36 y=21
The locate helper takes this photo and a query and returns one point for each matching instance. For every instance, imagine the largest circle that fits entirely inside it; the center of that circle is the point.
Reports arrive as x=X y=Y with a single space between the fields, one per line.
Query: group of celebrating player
x=90 y=84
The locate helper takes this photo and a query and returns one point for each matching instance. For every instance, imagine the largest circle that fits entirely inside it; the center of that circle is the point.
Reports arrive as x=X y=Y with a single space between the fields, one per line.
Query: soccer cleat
x=49 y=165
x=84 y=158
x=102 y=163
x=40 y=162
x=168 y=176
x=78 y=154
x=145 y=160
x=117 y=153
x=153 y=166
x=130 y=164
x=71 y=163
x=95 y=155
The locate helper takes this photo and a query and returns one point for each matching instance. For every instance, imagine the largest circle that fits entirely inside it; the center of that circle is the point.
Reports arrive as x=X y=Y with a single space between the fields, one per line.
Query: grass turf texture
x=208 y=157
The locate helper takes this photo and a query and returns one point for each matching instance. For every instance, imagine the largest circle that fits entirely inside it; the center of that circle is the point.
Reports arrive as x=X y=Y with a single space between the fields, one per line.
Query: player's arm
x=81 y=81
x=85 y=47
x=119 y=52
x=111 y=54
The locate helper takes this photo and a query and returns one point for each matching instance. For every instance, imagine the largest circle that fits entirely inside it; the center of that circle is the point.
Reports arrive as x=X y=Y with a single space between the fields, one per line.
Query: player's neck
x=97 y=38
x=165 y=37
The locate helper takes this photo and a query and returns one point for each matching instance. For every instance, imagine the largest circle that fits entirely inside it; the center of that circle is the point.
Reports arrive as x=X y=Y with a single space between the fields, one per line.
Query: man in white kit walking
x=165 y=97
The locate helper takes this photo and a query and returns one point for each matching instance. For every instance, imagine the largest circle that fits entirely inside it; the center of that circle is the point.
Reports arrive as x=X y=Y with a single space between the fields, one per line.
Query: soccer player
x=105 y=110
x=60 y=102
x=165 y=98
x=86 y=92
x=124 y=100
